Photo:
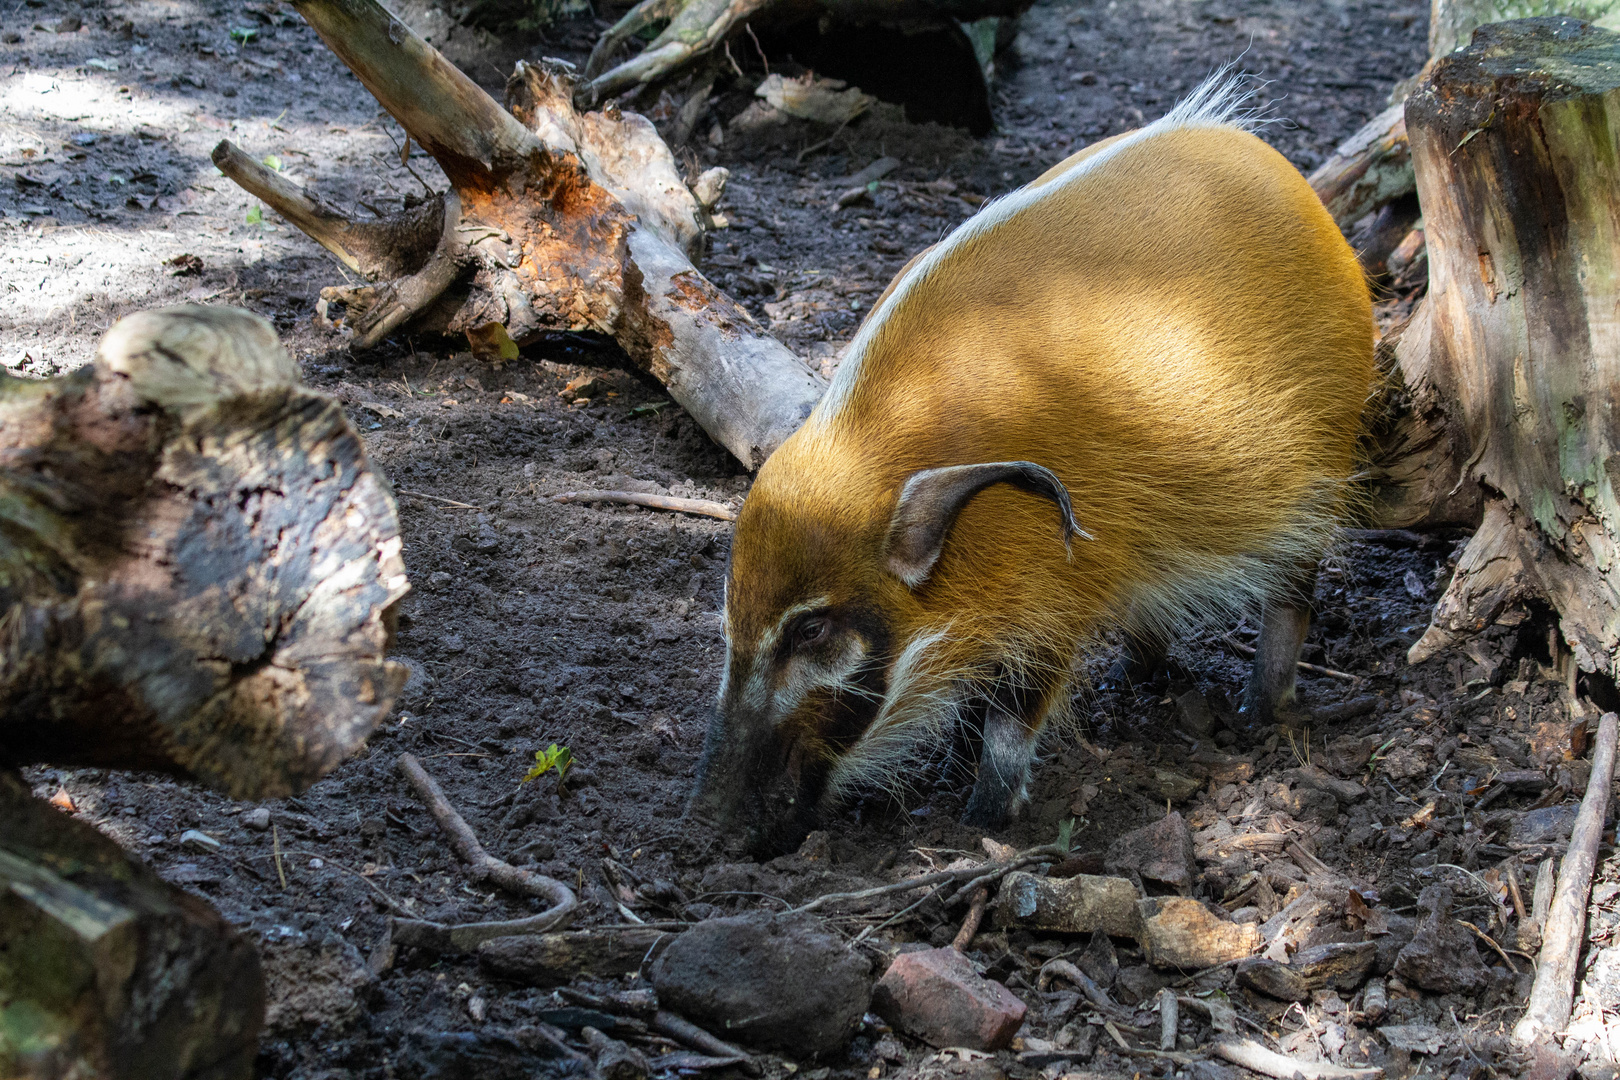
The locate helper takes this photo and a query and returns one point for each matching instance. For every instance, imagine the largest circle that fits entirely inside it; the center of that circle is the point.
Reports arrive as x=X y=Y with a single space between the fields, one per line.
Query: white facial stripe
x=806 y=675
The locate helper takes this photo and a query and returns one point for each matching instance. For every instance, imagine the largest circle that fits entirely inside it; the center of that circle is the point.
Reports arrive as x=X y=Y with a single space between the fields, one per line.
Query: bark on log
x=107 y=971
x=555 y=220
x=200 y=562
x=1517 y=160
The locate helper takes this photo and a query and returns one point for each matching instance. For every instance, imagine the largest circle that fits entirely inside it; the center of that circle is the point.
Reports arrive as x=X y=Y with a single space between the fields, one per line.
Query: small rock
x=1340 y=965
x=1272 y=979
x=257 y=819
x=1193 y=714
x=199 y=841
x=1099 y=961
x=312 y=981
x=1390 y=933
x=1441 y=956
x=1414 y=1038
x=781 y=983
x=1161 y=852
x=1544 y=826
x=936 y=995
x=1174 y=786
x=1138 y=983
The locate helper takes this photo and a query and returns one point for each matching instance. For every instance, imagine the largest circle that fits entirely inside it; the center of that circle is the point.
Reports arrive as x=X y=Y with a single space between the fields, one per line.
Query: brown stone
x=936 y=995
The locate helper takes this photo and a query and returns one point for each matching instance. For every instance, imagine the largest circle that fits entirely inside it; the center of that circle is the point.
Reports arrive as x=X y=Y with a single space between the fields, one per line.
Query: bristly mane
x=1220 y=101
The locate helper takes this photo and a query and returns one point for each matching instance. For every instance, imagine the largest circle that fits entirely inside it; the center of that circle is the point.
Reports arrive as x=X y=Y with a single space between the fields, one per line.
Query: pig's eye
x=811 y=631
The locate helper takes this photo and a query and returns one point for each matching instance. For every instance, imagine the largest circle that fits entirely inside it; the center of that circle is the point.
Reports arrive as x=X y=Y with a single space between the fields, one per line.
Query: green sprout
x=552 y=757
x=255 y=215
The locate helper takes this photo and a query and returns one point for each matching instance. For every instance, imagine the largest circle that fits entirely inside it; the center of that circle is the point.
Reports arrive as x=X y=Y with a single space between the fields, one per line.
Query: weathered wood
x=1180 y=932
x=1369 y=169
x=1554 y=991
x=1516 y=358
x=554 y=959
x=107 y=971
x=200 y=565
x=555 y=220
x=1076 y=905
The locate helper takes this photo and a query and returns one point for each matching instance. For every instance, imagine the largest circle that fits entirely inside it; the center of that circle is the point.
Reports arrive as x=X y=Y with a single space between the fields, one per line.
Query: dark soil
x=596 y=628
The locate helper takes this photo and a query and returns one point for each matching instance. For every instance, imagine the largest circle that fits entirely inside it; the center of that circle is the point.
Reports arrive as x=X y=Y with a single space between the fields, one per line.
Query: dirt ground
x=533 y=623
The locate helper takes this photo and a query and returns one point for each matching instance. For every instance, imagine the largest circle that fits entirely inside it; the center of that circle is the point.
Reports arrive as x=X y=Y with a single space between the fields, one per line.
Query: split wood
x=1256 y=1058
x=1169 y=1019
x=1046 y=852
x=484 y=867
x=1554 y=989
x=703 y=507
x=1315 y=669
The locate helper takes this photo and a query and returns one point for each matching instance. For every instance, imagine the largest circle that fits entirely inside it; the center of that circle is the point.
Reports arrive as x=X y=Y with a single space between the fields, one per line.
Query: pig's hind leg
x=1285 y=621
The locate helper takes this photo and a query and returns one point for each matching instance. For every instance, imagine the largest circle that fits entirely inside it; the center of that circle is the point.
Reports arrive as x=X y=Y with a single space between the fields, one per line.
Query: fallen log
x=1553 y=993
x=554 y=221
x=200 y=567
x=1509 y=365
x=105 y=969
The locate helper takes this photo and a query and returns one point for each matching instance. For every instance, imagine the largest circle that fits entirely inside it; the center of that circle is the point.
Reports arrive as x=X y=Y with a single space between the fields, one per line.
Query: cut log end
x=221 y=570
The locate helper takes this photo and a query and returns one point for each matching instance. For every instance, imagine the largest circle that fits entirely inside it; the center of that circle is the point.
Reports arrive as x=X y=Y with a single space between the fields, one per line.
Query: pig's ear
x=931 y=500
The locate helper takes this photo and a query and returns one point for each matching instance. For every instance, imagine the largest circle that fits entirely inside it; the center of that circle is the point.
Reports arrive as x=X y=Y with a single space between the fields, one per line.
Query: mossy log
x=105 y=970
x=1515 y=351
x=198 y=562
x=555 y=220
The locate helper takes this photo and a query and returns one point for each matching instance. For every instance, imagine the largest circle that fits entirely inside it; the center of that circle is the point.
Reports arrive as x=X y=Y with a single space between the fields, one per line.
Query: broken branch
x=703 y=507
x=484 y=867
x=1554 y=989
x=1251 y=1055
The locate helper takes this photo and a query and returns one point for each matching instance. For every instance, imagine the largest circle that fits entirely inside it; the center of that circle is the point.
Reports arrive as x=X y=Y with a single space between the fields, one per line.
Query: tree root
x=484 y=867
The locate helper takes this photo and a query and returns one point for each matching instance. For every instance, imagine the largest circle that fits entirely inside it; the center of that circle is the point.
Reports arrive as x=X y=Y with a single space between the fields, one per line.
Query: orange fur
x=1181 y=334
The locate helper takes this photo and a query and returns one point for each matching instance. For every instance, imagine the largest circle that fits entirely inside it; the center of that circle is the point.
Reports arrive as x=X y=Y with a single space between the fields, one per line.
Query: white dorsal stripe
x=1217 y=102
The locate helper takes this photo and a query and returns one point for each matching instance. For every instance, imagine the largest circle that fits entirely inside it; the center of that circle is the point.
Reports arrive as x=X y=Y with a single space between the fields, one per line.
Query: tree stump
x=199 y=564
x=1516 y=349
x=107 y=971
x=554 y=221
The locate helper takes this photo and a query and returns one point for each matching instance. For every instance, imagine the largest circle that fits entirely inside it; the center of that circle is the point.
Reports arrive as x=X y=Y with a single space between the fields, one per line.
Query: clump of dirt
x=597 y=628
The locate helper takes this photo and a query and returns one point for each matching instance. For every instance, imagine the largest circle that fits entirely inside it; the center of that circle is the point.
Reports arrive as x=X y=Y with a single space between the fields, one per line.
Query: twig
x=437 y=498
x=689 y=1034
x=483 y=867
x=1001 y=870
x=275 y=848
x=943 y=877
x=1554 y=991
x=1090 y=990
x=702 y=507
x=1169 y=1019
x=393 y=905
x=1487 y=939
x=975 y=915
x=897 y=916
x=1315 y=669
x=1251 y=1055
